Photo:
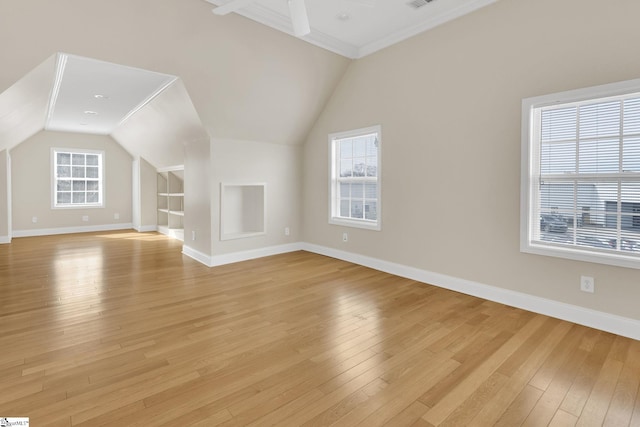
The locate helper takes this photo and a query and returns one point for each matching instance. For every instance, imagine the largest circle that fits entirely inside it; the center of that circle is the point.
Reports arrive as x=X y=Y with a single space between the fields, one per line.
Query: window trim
x=528 y=170
x=54 y=151
x=333 y=182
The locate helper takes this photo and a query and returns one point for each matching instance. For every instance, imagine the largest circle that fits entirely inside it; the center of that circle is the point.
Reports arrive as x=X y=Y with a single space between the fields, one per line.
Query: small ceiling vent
x=417 y=4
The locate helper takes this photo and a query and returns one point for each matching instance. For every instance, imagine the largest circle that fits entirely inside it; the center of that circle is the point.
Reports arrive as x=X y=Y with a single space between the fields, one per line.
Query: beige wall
x=449 y=102
x=31 y=183
x=4 y=197
x=197 y=196
x=148 y=195
x=250 y=162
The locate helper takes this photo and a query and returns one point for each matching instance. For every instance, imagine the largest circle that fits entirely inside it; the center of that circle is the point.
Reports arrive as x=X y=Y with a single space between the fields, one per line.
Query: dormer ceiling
x=92 y=96
x=149 y=113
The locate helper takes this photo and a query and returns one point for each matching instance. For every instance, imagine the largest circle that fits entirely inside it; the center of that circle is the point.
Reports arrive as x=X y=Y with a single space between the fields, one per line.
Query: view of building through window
x=585 y=178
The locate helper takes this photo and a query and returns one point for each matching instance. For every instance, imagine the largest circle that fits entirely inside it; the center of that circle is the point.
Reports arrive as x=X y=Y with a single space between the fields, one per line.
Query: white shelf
x=171 y=204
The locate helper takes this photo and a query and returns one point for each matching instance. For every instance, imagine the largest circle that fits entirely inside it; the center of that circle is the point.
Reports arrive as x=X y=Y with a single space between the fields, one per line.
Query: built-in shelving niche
x=242 y=210
x=171 y=203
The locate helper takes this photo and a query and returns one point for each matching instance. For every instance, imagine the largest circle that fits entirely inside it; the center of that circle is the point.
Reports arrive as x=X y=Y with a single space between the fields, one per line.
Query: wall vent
x=417 y=4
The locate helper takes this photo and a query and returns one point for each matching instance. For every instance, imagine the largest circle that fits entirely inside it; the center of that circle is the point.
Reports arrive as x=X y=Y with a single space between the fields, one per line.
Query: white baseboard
x=253 y=253
x=70 y=230
x=145 y=228
x=5 y=239
x=583 y=316
x=196 y=255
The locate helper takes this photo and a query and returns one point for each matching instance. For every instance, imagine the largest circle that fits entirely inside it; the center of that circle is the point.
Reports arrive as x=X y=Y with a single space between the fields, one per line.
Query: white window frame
x=531 y=176
x=334 y=180
x=54 y=179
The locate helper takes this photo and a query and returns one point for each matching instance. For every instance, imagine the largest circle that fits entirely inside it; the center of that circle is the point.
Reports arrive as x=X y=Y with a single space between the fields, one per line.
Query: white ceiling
x=150 y=114
x=92 y=96
x=356 y=28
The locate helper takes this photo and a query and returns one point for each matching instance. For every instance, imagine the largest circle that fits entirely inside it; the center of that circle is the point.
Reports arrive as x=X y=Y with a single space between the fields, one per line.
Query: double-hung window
x=77 y=178
x=355 y=178
x=581 y=174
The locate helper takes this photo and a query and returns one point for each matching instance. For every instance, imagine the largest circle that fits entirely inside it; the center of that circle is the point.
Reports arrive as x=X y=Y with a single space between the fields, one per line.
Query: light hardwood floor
x=120 y=328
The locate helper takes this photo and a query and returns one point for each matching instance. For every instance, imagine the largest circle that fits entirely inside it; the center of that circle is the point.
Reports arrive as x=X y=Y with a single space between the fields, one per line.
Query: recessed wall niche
x=242 y=210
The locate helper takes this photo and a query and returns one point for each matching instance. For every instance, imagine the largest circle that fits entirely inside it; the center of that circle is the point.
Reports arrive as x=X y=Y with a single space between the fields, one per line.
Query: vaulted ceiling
x=155 y=75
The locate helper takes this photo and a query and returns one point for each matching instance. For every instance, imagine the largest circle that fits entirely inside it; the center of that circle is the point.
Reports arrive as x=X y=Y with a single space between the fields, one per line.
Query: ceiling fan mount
x=297 y=12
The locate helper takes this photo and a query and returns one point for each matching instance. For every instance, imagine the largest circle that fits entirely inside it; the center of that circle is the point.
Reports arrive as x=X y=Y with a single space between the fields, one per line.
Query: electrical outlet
x=34 y=219
x=193 y=234
x=287 y=231
x=345 y=237
x=587 y=284
x=85 y=218
x=116 y=215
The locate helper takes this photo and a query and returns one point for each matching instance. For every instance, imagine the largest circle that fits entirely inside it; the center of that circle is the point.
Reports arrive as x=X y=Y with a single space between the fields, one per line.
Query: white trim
x=619 y=325
x=71 y=230
x=423 y=26
x=233 y=257
x=5 y=239
x=529 y=165
x=196 y=255
x=262 y=14
x=334 y=207
x=145 y=228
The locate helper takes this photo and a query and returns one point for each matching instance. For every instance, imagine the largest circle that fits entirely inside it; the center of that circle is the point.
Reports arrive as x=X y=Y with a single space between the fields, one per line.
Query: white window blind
x=355 y=181
x=584 y=178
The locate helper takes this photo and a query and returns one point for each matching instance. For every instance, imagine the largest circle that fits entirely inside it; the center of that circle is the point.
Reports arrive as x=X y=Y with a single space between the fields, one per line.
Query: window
x=581 y=174
x=355 y=178
x=77 y=178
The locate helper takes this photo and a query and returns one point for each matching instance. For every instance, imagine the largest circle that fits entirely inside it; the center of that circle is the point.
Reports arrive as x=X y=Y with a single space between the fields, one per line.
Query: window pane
x=92 y=172
x=359 y=166
x=346 y=166
x=346 y=149
x=599 y=156
x=559 y=124
x=64 y=185
x=357 y=191
x=79 y=185
x=372 y=146
x=92 y=159
x=598 y=120
x=92 y=197
x=631 y=153
x=372 y=166
x=357 y=209
x=63 y=158
x=64 y=198
x=77 y=159
x=78 y=172
x=78 y=198
x=93 y=185
x=64 y=171
x=558 y=157
x=371 y=190
x=556 y=197
x=344 y=208
x=370 y=210
x=359 y=147
x=345 y=190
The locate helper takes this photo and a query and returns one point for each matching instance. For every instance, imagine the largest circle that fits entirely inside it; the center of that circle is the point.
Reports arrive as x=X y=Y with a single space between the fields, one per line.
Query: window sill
x=577 y=254
x=354 y=223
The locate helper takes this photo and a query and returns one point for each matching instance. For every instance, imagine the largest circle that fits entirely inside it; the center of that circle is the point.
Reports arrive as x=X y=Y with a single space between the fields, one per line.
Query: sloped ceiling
x=149 y=114
x=246 y=81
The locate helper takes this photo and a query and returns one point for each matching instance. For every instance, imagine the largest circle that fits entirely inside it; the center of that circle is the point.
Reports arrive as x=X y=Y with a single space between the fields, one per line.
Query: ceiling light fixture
x=100 y=96
x=91 y=113
x=343 y=16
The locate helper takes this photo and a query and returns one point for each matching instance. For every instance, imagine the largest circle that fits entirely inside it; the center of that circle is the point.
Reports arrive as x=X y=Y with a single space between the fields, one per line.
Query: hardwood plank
x=119 y=328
